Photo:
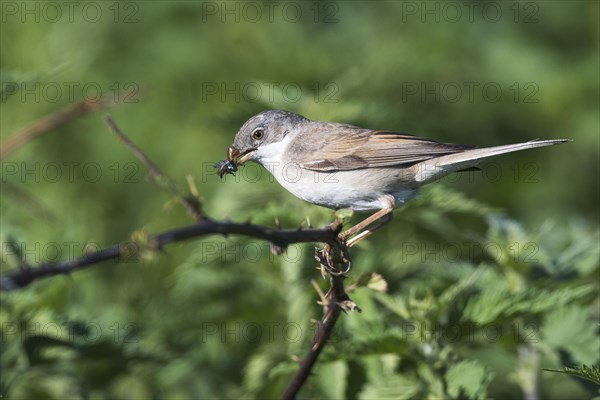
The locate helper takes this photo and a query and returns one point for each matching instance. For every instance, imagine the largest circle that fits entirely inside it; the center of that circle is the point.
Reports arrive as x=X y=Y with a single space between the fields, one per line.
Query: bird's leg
x=367 y=232
x=383 y=216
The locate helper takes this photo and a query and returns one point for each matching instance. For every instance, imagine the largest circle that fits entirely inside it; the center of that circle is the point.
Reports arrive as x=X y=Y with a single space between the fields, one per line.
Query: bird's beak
x=235 y=155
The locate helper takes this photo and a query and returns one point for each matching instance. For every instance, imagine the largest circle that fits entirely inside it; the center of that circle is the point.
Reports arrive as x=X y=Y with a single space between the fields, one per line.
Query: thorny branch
x=333 y=257
x=22 y=277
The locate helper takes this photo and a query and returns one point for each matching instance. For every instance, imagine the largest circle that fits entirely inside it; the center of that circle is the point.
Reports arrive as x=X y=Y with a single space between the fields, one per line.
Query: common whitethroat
x=343 y=166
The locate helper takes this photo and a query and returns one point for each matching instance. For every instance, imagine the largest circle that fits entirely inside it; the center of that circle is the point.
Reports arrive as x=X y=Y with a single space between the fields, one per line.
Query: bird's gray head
x=265 y=128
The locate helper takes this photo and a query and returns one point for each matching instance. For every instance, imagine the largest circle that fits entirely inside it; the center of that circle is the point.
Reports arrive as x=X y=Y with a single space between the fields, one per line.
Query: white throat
x=273 y=152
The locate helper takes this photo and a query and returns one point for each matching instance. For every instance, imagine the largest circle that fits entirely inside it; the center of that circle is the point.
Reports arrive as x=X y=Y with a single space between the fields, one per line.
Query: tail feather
x=438 y=167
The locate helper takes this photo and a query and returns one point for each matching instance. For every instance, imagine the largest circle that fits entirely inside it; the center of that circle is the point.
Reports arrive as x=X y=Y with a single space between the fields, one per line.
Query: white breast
x=338 y=189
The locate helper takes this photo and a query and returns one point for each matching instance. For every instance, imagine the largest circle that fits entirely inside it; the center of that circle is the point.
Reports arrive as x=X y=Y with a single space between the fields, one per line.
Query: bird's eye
x=258 y=134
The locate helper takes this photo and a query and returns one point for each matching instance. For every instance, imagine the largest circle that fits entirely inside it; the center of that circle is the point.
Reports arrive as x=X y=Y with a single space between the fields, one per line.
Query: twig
x=337 y=300
x=55 y=120
x=191 y=203
x=20 y=278
x=324 y=329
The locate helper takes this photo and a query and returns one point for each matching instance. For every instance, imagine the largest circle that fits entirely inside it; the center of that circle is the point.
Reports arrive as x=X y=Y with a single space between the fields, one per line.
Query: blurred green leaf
x=571 y=328
x=591 y=373
x=390 y=387
x=469 y=378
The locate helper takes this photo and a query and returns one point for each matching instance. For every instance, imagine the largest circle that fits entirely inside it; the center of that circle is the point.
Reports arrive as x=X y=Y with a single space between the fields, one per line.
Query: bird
x=337 y=165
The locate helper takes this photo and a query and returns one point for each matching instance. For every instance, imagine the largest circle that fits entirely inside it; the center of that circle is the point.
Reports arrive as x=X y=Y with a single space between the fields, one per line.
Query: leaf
x=256 y=371
x=371 y=280
x=344 y=213
x=583 y=253
x=394 y=340
x=571 y=329
x=590 y=373
x=378 y=283
x=331 y=377
x=35 y=347
x=546 y=300
x=487 y=306
x=397 y=387
x=493 y=304
x=468 y=377
x=452 y=292
x=444 y=200
x=395 y=304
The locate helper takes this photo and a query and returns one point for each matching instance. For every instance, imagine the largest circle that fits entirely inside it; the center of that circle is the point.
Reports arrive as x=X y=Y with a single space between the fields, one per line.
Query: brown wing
x=355 y=148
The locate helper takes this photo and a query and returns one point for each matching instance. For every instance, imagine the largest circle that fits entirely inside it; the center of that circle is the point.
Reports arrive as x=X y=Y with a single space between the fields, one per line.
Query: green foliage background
x=490 y=276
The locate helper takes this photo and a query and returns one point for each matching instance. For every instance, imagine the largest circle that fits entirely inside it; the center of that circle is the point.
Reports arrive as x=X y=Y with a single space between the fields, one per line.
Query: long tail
x=435 y=168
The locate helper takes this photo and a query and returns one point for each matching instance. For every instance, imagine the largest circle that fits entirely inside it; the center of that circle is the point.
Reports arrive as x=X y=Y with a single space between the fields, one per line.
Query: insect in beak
x=225 y=167
x=234 y=159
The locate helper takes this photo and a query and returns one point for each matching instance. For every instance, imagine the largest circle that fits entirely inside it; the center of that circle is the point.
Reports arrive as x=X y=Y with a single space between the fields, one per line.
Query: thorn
x=277 y=223
x=301 y=225
x=277 y=249
x=308 y=222
x=319 y=291
x=349 y=305
x=191 y=181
